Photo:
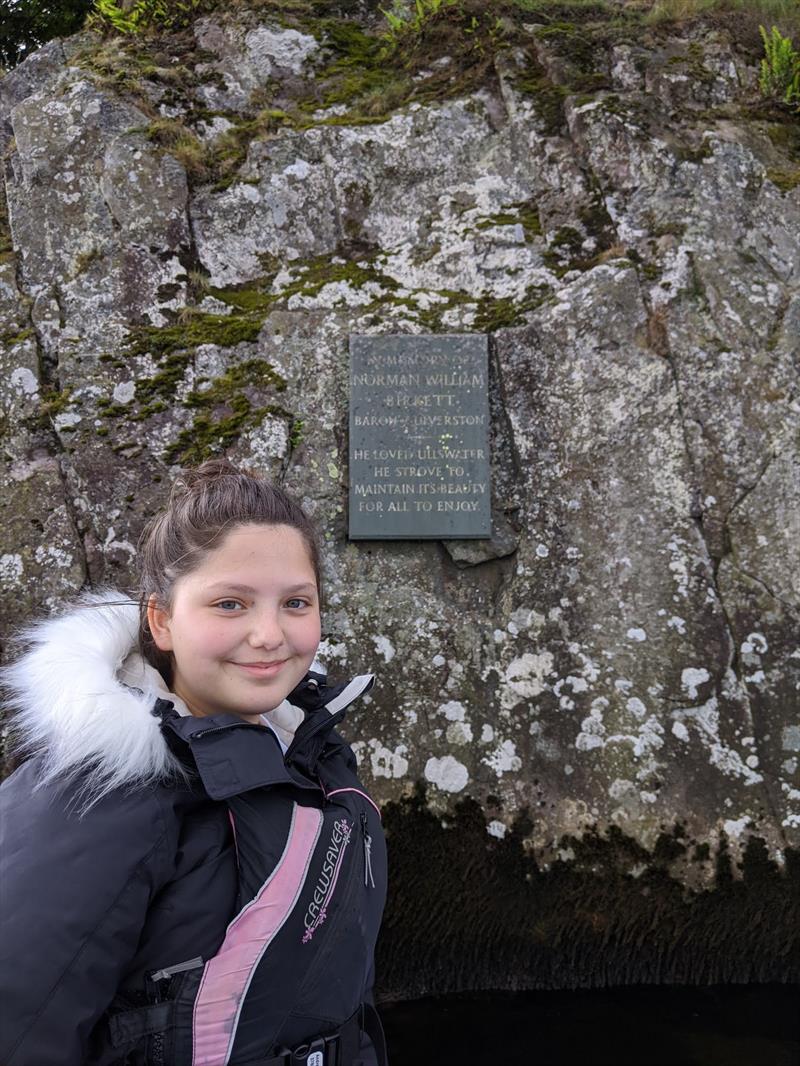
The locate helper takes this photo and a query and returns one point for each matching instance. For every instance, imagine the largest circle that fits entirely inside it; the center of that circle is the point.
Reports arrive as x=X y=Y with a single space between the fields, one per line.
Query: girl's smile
x=243 y=627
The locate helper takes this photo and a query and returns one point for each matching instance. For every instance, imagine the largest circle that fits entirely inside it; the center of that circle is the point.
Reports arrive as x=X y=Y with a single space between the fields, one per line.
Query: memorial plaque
x=419 y=437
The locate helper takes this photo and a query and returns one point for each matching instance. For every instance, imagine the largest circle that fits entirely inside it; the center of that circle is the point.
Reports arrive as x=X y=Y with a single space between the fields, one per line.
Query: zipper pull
x=179 y=967
x=368 y=878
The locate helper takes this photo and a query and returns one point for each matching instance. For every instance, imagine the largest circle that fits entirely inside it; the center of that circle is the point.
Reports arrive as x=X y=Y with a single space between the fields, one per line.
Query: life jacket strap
x=130 y=1026
x=339 y=1048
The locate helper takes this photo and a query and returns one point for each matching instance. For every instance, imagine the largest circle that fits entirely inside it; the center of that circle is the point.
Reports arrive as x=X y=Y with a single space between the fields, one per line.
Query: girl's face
x=244 y=626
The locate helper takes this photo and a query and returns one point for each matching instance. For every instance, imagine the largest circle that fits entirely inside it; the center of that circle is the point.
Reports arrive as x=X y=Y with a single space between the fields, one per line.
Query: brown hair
x=204 y=505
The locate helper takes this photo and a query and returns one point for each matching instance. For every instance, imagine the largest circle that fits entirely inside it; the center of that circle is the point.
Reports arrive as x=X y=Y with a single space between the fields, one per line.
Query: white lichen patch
x=266 y=442
x=637 y=635
x=790 y=738
x=328 y=650
x=286 y=48
x=447 y=774
x=452 y=710
x=387 y=762
x=720 y=755
x=66 y=420
x=755 y=645
x=691 y=678
x=504 y=758
x=11 y=568
x=679 y=565
x=124 y=392
x=524 y=678
x=384 y=647
x=497 y=829
x=459 y=733
x=735 y=827
x=24 y=381
x=636 y=707
x=52 y=555
x=680 y=731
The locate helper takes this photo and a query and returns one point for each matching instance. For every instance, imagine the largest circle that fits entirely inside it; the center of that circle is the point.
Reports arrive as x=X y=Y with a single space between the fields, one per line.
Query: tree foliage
x=27 y=24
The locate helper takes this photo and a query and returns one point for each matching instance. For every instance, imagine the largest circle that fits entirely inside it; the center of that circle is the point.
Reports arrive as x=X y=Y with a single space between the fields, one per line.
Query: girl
x=193 y=874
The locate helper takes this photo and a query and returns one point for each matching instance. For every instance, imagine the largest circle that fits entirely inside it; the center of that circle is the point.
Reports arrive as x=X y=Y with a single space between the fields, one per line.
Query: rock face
x=599 y=706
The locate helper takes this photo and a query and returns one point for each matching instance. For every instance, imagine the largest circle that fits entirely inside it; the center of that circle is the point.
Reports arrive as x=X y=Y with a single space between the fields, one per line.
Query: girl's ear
x=158 y=621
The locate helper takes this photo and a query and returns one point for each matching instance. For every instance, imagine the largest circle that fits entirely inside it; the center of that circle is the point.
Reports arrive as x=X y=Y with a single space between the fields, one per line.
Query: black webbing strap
x=374 y=1030
x=131 y=1025
x=339 y=1048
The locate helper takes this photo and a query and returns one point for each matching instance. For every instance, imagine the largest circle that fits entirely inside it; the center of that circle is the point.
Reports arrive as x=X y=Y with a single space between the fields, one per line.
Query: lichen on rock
x=197 y=222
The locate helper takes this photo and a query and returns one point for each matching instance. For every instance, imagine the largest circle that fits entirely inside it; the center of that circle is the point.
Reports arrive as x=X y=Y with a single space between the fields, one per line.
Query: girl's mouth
x=262 y=669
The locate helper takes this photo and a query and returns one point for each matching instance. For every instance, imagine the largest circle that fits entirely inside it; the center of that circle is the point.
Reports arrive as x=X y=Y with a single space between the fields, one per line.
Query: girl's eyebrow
x=229 y=586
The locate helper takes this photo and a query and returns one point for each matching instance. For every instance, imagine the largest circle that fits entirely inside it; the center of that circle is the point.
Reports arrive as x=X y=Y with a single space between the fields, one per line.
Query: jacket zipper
x=156 y=1050
x=369 y=880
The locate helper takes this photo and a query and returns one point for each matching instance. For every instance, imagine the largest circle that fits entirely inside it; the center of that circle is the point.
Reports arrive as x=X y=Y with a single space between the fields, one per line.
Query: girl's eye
x=228 y=605
x=295 y=603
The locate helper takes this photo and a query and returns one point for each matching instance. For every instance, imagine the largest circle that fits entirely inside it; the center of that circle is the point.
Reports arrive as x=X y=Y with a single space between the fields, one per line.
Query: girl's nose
x=266 y=631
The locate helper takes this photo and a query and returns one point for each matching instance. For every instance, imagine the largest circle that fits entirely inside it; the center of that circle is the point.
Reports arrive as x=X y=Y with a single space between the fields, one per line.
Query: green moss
x=182 y=143
x=595 y=218
x=225 y=410
x=8 y=340
x=786 y=136
x=565 y=252
x=296 y=432
x=248 y=298
x=786 y=180
x=84 y=260
x=6 y=244
x=53 y=402
x=502 y=313
x=548 y=99
x=696 y=154
x=226 y=331
x=500 y=219
x=524 y=214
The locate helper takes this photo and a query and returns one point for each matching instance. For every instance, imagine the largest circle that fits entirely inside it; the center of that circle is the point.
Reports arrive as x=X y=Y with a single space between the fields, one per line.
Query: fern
x=779 y=76
x=146 y=15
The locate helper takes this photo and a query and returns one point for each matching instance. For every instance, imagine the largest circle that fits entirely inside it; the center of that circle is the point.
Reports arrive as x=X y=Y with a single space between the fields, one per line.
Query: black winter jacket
x=136 y=840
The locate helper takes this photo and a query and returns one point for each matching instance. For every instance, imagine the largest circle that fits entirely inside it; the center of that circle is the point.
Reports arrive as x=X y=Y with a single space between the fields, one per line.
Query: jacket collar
x=88 y=705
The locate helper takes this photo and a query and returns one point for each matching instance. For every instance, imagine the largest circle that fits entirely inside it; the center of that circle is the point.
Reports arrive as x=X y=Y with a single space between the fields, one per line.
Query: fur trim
x=72 y=709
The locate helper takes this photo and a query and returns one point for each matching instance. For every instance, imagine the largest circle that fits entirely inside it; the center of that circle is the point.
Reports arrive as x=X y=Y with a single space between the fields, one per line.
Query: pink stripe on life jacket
x=227 y=975
x=358 y=792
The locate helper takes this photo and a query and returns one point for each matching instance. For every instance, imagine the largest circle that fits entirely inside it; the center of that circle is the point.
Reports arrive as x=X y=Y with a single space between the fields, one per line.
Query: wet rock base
x=471 y=912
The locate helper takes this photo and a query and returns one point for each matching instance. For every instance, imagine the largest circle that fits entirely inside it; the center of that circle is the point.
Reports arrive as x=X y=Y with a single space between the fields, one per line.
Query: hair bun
x=211 y=470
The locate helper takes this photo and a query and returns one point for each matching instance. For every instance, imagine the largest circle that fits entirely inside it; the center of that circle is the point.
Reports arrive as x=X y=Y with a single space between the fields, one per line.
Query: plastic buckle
x=315 y=1053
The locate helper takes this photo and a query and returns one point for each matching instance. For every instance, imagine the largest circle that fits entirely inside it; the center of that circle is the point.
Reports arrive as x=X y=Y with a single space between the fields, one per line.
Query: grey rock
x=622 y=654
x=503 y=542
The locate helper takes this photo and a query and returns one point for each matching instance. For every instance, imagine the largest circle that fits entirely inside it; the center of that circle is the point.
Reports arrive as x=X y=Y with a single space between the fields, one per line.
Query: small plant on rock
x=142 y=16
x=779 y=77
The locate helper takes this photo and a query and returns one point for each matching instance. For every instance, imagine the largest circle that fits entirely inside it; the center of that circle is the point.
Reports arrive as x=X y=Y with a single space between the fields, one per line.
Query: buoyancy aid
x=291 y=981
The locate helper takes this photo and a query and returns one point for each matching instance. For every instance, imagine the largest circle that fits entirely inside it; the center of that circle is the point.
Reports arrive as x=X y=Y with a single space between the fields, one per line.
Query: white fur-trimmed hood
x=74 y=703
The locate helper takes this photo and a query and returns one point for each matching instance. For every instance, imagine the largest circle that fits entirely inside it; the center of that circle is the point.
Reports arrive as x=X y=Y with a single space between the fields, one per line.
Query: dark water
x=732 y=1025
